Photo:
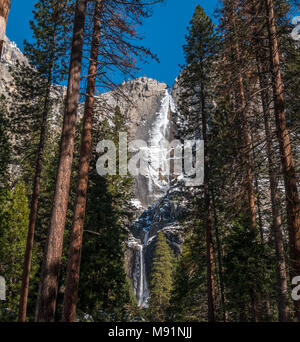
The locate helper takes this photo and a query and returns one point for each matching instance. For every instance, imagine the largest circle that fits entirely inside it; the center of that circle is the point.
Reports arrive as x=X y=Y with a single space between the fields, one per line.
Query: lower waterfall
x=143 y=293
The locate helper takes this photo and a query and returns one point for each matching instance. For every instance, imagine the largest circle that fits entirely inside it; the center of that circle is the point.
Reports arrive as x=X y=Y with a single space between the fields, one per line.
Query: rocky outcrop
x=11 y=56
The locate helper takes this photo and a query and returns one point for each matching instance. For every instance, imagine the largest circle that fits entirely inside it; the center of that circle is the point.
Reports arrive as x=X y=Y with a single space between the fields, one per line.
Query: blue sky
x=164 y=32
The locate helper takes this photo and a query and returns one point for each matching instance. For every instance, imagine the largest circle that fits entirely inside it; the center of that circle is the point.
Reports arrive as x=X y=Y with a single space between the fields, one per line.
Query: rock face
x=11 y=55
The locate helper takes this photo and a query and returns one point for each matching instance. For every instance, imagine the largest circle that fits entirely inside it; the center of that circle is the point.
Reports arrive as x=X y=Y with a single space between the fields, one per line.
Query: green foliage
x=35 y=102
x=51 y=27
x=248 y=268
x=32 y=88
x=14 y=218
x=200 y=50
x=48 y=181
x=26 y=110
x=104 y=291
x=188 y=300
x=161 y=279
x=201 y=40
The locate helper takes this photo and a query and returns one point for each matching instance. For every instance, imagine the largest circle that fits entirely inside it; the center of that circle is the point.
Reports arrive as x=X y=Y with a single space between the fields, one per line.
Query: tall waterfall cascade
x=159 y=179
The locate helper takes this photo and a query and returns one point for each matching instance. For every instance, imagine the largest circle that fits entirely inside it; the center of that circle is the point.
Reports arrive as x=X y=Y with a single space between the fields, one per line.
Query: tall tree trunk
x=257 y=305
x=258 y=199
x=268 y=308
x=4 y=11
x=220 y=258
x=207 y=217
x=35 y=200
x=71 y=291
x=288 y=165
x=242 y=105
x=46 y=303
x=281 y=269
x=247 y=148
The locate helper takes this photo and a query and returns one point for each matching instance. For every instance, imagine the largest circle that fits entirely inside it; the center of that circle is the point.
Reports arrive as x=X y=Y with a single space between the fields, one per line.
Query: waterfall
x=141 y=282
x=146 y=293
x=143 y=293
x=159 y=182
x=159 y=162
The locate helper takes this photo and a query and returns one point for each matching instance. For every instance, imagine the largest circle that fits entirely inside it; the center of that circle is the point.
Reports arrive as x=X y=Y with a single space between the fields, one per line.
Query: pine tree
x=104 y=289
x=70 y=297
x=187 y=303
x=242 y=109
x=287 y=160
x=201 y=46
x=247 y=271
x=263 y=66
x=46 y=55
x=161 y=280
x=13 y=225
x=52 y=259
x=238 y=90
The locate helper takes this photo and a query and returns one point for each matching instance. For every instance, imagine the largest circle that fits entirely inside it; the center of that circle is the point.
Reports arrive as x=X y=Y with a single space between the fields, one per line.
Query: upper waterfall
x=159 y=151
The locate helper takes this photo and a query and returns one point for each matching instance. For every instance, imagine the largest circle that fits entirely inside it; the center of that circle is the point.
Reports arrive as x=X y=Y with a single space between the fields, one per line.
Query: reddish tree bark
x=247 y=139
x=4 y=11
x=256 y=300
x=287 y=160
x=46 y=303
x=71 y=291
x=220 y=258
x=281 y=269
x=208 y=218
